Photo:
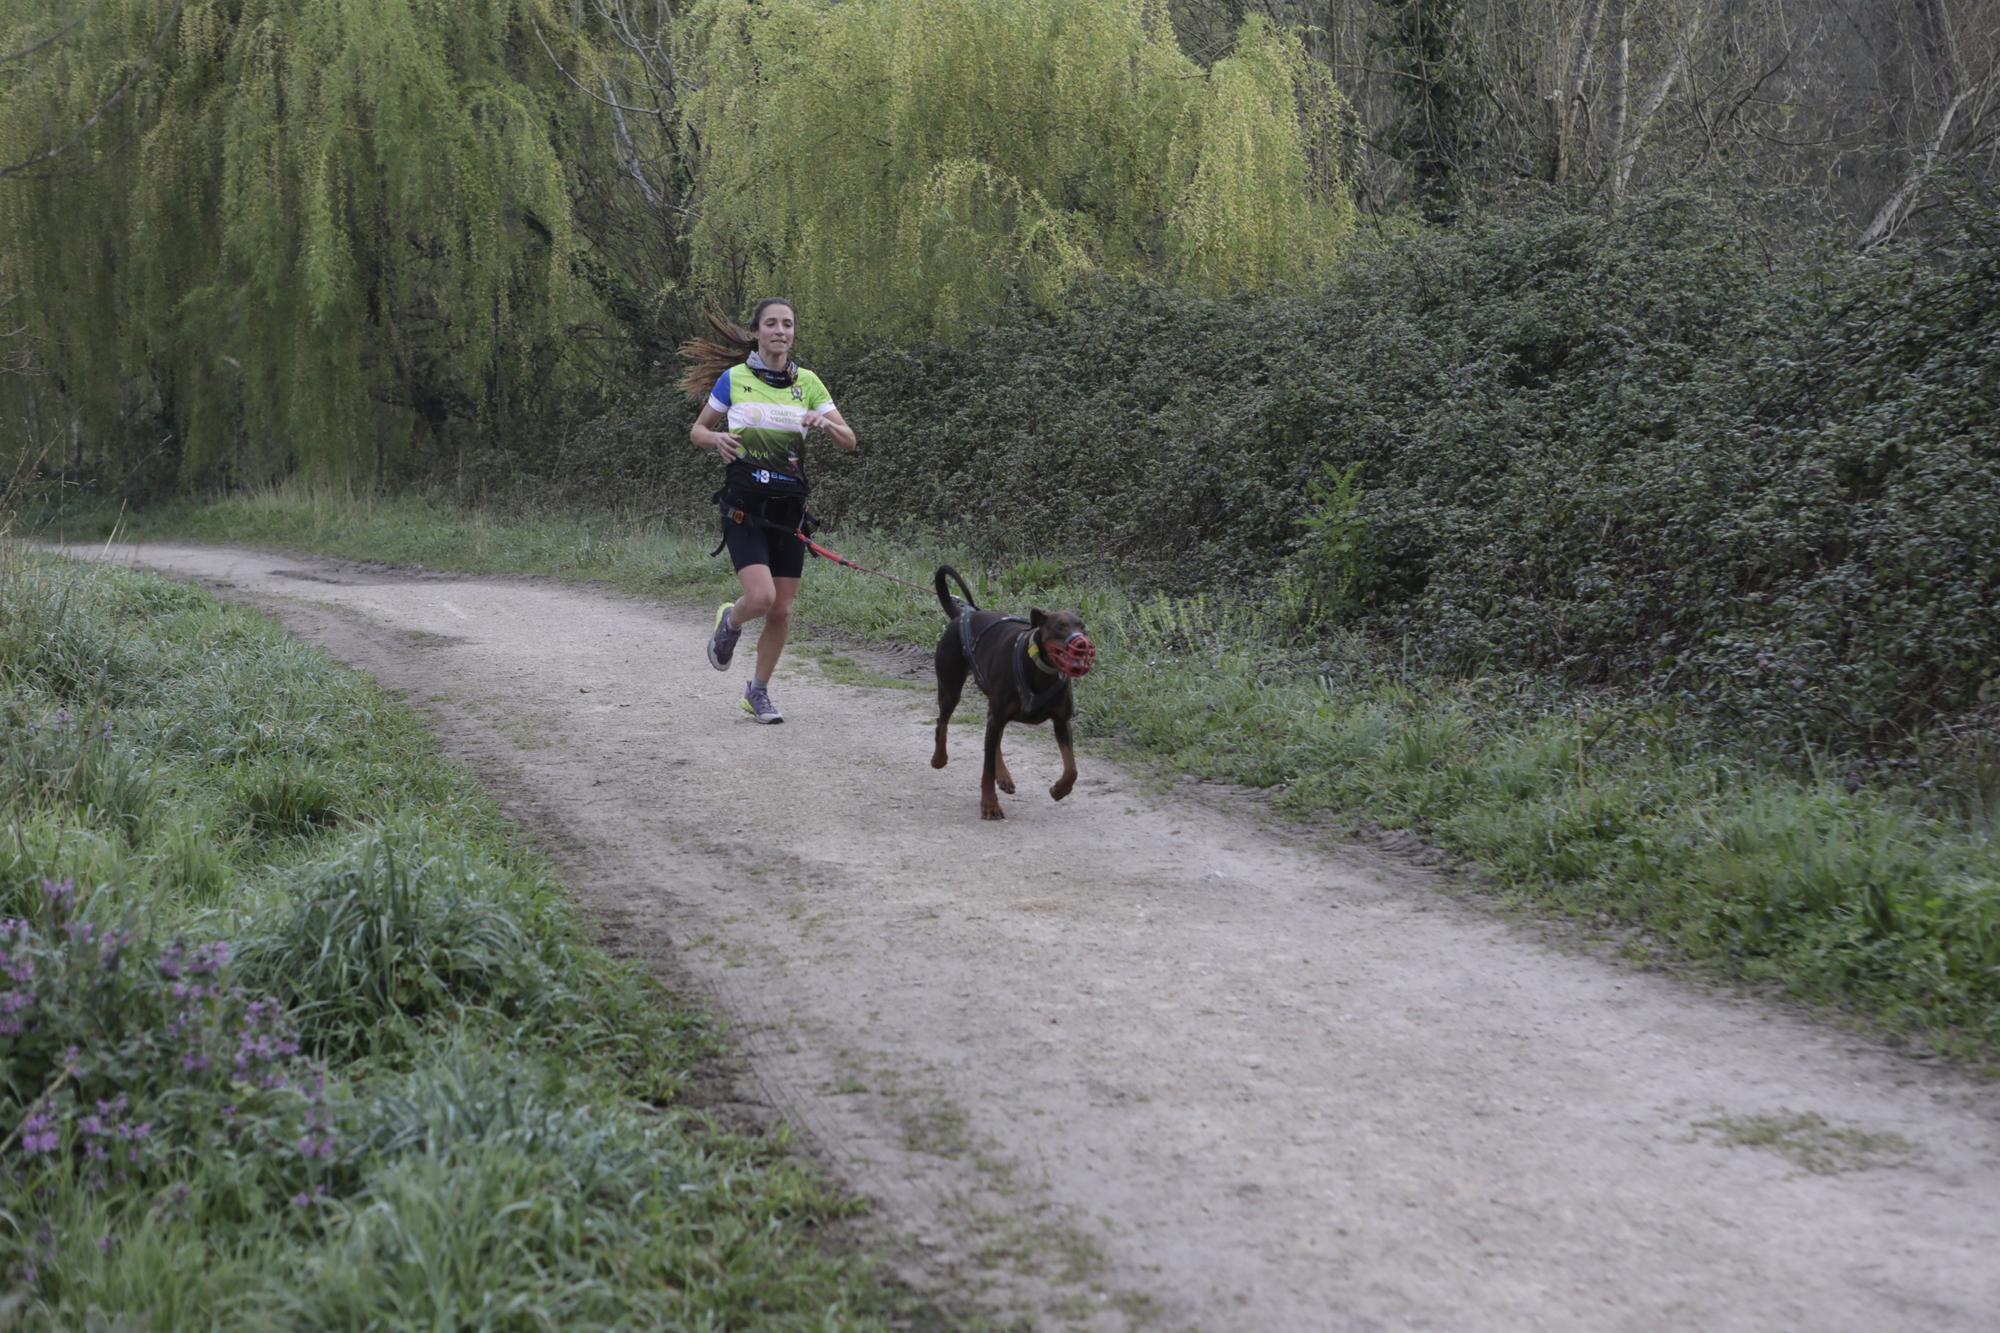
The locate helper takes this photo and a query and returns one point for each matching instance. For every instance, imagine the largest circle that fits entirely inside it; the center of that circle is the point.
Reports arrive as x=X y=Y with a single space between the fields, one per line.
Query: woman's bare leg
x=777 y=622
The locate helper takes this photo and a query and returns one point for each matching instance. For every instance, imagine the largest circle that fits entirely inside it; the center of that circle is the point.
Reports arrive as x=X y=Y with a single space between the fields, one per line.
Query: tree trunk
x=1677 y=61
x=1935 y=41
x=1572 y=90
x=1620 y=91
x=1897 y=206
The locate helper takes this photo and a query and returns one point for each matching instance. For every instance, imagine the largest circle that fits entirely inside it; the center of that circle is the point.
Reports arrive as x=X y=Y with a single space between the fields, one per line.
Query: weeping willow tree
x=328 y=236
x=902 y=166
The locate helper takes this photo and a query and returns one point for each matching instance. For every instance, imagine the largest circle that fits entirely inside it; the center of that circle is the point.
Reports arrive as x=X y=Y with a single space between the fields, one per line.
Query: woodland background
x=1649 y=345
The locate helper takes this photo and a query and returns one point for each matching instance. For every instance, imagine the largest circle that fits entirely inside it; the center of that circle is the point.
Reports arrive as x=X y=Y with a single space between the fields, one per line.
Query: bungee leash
x=1071 y=659
x=840 y=559
x=743 y=515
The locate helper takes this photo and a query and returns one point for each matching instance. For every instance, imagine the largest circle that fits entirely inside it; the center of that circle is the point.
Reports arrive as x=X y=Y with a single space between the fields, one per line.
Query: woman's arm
x=727 y=446
x=830 y=421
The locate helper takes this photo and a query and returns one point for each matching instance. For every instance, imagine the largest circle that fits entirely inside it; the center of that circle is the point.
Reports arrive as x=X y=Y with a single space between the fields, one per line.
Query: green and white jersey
x=767 y=417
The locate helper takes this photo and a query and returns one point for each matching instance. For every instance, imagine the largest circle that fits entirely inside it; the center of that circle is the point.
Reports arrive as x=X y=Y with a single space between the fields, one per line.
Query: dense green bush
x=1634 y=452
x=400 y=928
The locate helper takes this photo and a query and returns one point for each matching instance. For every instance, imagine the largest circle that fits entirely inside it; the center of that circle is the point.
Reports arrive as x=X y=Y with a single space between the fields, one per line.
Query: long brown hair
x=707 y=358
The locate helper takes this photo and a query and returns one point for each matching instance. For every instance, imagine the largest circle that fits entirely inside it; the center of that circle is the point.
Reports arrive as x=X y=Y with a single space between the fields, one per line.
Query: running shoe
x=722 y=643
x=757 y=703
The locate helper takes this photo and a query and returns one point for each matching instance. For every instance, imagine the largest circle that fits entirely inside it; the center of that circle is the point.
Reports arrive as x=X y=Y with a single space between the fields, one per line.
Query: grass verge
x=1868 y=901
x=291 y=1035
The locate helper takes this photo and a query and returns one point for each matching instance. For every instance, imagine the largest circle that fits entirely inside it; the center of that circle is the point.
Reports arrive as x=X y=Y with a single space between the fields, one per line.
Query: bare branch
x=632 y=164
x=1897 y=206
x=608 y=100
x=104 y=107
x=28 y=53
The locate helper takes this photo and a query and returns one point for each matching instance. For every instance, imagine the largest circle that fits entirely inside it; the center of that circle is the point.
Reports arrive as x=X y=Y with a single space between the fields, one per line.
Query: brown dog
x=1024 y=667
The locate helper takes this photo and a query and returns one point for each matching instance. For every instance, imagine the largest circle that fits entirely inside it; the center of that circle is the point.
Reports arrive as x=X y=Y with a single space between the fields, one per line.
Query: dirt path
x=1134 y=1061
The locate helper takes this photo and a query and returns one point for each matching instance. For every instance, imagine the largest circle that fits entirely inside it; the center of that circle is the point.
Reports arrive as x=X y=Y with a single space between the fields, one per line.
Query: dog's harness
x=1027 y=663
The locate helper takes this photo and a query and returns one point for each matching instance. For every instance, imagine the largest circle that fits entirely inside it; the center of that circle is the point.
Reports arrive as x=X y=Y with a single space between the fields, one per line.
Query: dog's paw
x=938 y=759
x=1005 y=784
x=1061 y=789
x=992 y=812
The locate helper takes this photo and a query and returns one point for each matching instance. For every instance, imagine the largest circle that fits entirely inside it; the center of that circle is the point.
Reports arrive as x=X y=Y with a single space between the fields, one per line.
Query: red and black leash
x=1073 y=658
x=744 y=515
x=840 y=559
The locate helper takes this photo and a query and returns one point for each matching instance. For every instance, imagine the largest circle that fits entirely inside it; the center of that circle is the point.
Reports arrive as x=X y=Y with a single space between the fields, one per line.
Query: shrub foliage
x=1631 y=451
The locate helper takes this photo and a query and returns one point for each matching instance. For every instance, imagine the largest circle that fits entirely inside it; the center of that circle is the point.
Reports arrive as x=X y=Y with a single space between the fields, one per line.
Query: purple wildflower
x=314 y=1147
x=210 y=958
x=38 y=1134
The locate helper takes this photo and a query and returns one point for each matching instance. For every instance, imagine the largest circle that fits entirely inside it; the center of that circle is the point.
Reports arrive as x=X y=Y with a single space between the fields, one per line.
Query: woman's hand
x=726 y=445
x=831 y=423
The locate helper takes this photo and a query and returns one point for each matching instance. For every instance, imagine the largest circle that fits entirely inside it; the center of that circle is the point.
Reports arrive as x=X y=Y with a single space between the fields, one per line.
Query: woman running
x=761 y=407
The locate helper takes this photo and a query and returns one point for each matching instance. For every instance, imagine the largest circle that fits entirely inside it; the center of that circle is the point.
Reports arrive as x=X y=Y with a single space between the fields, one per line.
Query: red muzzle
x=1074 y=656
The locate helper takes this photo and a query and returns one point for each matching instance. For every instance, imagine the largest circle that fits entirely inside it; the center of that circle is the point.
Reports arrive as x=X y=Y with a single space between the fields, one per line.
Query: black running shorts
x=753 y=543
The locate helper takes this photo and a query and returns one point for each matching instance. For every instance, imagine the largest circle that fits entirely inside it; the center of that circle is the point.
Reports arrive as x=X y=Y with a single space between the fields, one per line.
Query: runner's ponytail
x=730 y=345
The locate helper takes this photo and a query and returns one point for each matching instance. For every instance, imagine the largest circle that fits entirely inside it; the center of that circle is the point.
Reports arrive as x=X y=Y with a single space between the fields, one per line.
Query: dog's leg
x=951 y=684
x=1068 y=778
x=989 y=800
x=1001 y=777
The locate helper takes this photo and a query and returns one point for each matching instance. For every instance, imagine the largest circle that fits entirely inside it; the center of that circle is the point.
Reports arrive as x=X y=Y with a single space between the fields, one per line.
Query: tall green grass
x=1878 y=902
x=292 y=1036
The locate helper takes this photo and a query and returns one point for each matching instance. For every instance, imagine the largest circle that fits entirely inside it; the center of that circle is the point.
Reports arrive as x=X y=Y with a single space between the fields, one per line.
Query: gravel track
x=1144 y=1059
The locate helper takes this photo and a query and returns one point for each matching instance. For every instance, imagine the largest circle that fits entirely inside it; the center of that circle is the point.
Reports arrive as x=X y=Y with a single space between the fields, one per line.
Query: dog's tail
x=952 y=605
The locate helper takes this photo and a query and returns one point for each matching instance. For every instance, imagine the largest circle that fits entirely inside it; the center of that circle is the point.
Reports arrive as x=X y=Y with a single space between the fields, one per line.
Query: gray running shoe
x=757 y=703
x=722 y=643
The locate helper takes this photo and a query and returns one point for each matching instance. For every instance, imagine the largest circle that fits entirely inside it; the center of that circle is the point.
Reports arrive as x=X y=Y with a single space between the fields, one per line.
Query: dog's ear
x=1037 y=616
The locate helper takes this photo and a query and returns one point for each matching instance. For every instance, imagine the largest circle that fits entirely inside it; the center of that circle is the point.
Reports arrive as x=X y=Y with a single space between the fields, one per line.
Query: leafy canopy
x=902 y=166
x=318 y=235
